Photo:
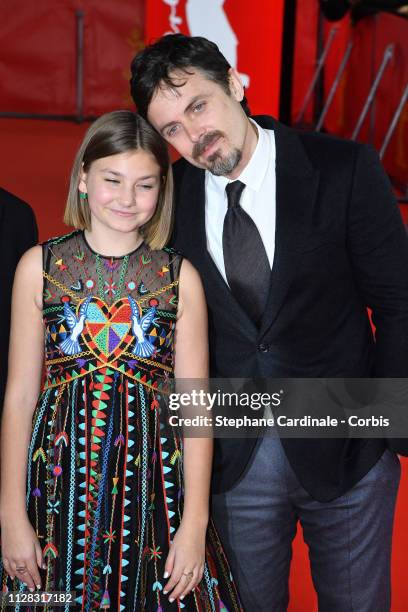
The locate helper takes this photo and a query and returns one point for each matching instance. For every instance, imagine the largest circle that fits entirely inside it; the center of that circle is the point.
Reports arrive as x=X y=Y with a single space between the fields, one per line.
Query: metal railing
x=369 y=101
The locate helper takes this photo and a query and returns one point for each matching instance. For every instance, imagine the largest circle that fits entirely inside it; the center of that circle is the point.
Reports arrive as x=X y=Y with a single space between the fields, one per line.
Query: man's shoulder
x=18 y=227
x=12 y=205
x=327 y=142
x=327 y=152
x=179 y=168
x=312 y=140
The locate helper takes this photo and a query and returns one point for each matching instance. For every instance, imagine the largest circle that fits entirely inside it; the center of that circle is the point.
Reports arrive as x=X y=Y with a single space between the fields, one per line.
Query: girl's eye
x=111 y=181
x=146 y=186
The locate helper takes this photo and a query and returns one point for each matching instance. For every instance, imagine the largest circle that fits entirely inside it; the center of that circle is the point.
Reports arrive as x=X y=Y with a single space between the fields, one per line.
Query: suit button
x=264 y=348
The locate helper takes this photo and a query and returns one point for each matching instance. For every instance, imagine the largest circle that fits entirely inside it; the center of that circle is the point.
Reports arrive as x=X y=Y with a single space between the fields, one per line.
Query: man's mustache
x=206 y=140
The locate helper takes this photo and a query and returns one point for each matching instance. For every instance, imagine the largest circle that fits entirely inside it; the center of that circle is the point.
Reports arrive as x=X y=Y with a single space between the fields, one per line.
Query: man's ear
x=235 y=84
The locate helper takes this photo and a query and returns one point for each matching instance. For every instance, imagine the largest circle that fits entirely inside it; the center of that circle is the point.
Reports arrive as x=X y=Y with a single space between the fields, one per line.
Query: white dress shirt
x=258 y=199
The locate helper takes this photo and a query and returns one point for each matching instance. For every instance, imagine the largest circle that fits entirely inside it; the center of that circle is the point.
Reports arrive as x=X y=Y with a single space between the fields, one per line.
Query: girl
x=110 y=501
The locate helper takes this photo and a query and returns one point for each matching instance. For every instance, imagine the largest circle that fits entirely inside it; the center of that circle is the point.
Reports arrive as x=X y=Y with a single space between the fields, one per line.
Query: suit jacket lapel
x=193 y=189
x=296 y=190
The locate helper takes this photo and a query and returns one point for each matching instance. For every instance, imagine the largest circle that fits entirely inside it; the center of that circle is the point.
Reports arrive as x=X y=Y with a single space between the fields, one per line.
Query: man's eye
x=111 y=181
x=199 y=106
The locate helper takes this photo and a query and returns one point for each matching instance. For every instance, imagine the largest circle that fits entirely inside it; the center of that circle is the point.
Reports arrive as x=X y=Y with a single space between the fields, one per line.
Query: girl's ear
x=82 y=181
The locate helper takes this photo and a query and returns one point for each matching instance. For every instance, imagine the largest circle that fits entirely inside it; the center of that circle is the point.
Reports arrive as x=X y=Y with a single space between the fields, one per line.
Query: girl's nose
x=127 y=196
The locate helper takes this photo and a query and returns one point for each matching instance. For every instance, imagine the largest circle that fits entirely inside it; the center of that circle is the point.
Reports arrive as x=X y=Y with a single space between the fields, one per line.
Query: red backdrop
x=38 y=54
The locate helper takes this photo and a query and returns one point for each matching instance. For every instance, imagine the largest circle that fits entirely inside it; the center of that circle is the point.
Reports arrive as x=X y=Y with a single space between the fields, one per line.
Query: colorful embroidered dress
x=105 y=473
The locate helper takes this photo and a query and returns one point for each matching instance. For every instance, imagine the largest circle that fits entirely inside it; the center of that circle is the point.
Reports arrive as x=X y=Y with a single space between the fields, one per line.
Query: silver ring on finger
x=21 y=569
x=189 y=575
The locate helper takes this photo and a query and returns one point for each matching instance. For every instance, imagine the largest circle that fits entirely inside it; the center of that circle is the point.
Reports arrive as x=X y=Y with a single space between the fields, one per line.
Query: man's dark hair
x=155 y=63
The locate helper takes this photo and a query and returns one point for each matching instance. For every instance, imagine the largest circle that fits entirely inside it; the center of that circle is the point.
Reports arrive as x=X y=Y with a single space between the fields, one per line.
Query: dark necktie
x=246 y=262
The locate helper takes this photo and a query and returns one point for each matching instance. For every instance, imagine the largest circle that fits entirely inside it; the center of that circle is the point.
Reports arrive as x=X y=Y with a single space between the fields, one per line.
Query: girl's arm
x=23 y=382
x=191 y=362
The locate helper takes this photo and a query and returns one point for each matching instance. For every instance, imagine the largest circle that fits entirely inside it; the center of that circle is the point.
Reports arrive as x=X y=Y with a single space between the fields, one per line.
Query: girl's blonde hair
x=120 y=132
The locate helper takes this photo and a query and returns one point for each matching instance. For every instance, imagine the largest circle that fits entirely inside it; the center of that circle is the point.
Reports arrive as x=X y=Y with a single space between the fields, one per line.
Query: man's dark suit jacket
x=18 y=232
x=340 y=246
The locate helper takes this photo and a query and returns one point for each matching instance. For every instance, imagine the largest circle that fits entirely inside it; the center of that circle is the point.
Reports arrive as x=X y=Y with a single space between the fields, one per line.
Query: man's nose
x=195 y=133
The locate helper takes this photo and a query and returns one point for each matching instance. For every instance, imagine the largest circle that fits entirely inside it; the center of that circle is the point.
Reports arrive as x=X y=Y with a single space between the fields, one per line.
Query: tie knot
x=234 y=191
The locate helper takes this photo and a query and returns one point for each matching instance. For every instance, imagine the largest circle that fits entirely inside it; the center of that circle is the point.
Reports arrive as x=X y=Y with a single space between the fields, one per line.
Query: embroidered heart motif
x=107 y=330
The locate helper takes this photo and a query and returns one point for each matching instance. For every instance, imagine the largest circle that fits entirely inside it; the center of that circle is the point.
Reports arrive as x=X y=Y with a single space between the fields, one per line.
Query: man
x=18 y=232
x=294 y=235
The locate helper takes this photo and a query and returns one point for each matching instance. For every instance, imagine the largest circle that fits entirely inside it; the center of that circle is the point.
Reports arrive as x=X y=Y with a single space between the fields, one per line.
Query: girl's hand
x=20 y=548
x=185 y=561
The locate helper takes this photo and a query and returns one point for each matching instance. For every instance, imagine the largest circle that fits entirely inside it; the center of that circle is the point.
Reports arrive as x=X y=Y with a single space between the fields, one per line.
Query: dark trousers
x=349 y=539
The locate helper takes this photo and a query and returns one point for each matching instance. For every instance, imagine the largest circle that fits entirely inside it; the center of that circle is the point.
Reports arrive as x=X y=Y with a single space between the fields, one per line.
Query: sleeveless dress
x=105 y=469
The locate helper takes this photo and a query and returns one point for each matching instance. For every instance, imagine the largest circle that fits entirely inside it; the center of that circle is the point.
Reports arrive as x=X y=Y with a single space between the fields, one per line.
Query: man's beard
x=223 y=166
x=217 y=164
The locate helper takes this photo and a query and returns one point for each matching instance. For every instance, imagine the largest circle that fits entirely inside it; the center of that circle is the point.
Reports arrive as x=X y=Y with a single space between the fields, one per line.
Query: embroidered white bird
x=140 y=325
x=70 y=345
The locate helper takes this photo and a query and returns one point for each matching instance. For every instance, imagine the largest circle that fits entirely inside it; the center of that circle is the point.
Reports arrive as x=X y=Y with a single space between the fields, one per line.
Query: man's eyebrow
x=193 y=101
x=167 y=126
x=186 y=110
